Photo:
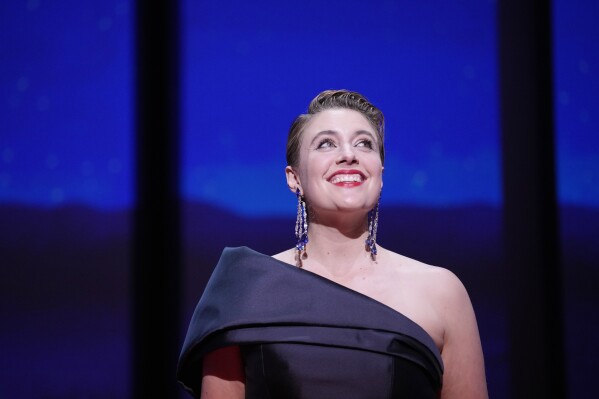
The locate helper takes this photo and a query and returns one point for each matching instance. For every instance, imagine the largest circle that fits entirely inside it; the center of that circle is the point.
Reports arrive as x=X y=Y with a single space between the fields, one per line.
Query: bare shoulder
x=437 y=286
x=443 y=280
x=461 y=349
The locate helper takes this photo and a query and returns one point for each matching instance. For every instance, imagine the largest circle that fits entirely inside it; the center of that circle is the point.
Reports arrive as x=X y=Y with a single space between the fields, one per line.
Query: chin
x=353 y=207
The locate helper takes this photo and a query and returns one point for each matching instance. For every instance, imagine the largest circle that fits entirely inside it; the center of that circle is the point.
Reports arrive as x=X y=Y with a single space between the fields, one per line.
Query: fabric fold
x=254 y=299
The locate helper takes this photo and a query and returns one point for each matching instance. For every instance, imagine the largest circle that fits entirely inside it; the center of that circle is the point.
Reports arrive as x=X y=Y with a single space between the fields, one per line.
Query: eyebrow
x=336 y=133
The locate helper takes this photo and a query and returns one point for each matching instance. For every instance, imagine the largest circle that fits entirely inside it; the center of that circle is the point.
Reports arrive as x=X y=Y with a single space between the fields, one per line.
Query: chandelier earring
x=301 y=229
x=373 y=224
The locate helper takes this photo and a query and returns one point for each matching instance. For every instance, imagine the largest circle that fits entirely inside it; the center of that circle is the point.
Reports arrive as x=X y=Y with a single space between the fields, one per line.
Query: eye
x=365 y=143
x=325 y=143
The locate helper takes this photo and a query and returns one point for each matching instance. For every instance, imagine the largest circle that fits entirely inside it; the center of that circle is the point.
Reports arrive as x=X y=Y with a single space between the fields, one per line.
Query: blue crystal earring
x=301 y=228
x=373 y=224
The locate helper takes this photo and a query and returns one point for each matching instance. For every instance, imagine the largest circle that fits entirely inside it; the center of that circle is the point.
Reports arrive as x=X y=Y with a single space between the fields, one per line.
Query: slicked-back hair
x=335 y=99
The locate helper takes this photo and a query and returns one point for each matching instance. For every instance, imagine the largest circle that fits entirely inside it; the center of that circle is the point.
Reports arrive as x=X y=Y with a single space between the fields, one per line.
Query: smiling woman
x=323 y=148
x=279 y=326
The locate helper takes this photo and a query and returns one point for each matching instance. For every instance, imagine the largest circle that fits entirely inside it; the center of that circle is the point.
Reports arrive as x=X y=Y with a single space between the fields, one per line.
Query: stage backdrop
x=248 y=68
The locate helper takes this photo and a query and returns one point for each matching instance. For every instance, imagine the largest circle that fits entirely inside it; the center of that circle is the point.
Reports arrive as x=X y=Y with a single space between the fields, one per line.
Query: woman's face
x=339 y=166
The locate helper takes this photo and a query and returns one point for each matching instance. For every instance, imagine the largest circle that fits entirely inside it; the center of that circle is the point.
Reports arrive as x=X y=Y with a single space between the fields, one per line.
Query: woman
x=337 y=316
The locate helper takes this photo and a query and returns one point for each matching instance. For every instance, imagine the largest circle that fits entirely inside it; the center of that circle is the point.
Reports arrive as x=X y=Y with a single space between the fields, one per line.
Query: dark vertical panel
x=530 y=211
x=156 y=264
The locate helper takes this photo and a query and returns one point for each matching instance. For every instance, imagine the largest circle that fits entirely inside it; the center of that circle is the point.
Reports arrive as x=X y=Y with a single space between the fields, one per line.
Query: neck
x=337 y=248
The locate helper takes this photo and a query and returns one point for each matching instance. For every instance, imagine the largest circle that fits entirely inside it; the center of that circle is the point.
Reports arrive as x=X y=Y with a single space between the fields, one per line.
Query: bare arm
x=223 y=376
x=464 y=375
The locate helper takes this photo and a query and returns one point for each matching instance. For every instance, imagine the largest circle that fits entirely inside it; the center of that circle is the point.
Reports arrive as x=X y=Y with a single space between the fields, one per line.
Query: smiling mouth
x=342 y=178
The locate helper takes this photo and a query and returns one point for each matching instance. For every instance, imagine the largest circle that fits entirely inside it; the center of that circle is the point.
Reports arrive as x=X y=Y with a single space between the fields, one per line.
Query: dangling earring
x=301 y=229
x=373 y=224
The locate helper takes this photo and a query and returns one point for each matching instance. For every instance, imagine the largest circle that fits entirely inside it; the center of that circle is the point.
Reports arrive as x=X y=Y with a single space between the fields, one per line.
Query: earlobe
x=293 y=181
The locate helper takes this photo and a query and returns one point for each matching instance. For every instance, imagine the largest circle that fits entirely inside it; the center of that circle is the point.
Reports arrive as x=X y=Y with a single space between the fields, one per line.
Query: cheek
x=378 y=175
x=305 y=172
x=314 y=165
x=375 y=166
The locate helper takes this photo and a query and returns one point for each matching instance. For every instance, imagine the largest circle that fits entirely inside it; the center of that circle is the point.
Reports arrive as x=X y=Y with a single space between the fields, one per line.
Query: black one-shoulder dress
x=303 y=336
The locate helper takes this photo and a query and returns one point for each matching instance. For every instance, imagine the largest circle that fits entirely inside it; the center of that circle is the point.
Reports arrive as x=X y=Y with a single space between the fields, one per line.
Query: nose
x=347 y=155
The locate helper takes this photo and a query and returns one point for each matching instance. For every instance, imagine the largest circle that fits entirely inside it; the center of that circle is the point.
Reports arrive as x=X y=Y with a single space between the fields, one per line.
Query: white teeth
x=346 y=178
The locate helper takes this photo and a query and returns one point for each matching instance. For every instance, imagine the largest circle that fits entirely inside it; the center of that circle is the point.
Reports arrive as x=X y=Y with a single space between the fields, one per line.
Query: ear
x=382 y=170
x=293 y=181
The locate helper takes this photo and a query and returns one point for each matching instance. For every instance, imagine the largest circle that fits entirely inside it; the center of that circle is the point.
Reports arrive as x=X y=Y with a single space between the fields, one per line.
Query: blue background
x=248 y=68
